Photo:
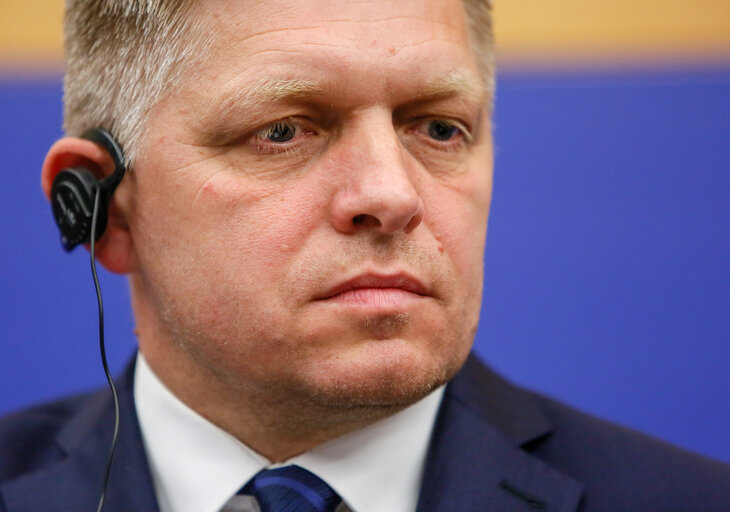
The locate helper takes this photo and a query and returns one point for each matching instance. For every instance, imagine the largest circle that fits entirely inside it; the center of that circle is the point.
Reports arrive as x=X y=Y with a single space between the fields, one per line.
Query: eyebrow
x=278 y=89
x=271 y=89
x=264 y=90
x=460 y=81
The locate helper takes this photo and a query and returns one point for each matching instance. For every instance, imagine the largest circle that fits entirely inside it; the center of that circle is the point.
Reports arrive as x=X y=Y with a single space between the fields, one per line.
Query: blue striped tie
x=291 y=489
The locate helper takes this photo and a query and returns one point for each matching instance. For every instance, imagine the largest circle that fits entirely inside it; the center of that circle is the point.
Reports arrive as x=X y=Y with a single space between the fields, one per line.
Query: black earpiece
x=80 y=204
x=74 y=190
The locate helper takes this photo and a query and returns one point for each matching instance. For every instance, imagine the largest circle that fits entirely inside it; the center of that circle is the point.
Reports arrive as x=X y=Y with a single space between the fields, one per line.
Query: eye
x=442 y=131
x=286 y=136
x=280 y=132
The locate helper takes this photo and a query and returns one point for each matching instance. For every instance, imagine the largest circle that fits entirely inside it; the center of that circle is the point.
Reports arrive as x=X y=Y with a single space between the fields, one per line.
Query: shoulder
x=623 y=469
x=620 y=469
x=29 y=438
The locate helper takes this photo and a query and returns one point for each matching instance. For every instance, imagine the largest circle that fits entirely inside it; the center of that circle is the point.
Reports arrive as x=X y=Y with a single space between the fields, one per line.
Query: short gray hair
x=123 y=56
x=481 y=31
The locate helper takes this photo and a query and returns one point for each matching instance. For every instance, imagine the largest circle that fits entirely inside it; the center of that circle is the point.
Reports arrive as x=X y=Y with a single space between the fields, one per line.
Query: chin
x=384 y=374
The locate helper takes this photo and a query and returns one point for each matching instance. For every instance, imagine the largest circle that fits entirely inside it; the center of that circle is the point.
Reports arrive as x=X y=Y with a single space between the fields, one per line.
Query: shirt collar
x=196 y=466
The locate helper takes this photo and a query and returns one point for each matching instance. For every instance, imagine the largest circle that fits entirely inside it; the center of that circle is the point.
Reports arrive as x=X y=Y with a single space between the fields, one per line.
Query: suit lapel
x=74 y=481
x=476 y=462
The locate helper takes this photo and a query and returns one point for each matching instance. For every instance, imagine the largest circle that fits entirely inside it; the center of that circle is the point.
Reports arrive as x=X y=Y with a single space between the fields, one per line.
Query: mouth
x=378 y=290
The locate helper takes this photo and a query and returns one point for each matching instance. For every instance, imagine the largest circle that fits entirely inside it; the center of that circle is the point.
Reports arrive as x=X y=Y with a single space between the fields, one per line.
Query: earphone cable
x=102 y=349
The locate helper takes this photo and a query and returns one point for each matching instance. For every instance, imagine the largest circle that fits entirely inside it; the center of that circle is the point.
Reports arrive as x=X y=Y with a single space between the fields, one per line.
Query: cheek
x=251 y=230
x=459 y=223
x=457 y=214
x=214 y=253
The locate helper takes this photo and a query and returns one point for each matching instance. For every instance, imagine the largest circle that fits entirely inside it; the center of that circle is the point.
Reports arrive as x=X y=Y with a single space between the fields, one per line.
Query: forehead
x=383 y=44
x=253 y=19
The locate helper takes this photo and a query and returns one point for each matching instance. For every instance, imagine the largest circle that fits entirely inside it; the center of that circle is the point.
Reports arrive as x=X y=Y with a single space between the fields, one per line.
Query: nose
x=376 y=190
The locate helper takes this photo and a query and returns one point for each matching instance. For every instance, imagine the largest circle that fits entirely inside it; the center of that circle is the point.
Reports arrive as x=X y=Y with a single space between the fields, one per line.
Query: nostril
x=365 y=221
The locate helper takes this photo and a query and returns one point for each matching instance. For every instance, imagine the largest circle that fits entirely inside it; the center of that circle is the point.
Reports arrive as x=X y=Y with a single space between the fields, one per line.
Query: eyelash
x=260 y=142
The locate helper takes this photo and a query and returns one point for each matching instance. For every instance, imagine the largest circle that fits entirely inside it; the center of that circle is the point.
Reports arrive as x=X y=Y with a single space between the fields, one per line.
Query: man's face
x=309 y=213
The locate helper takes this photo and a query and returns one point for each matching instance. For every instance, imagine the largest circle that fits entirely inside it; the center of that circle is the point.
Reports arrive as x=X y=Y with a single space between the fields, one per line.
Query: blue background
x=607 y=267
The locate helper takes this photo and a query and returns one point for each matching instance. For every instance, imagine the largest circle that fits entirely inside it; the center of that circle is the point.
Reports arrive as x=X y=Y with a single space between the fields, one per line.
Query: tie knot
x=291 y=489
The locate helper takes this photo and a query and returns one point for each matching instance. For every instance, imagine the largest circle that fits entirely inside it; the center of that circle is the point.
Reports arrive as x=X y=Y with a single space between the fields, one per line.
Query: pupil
x=281 y=133
x=440 y=130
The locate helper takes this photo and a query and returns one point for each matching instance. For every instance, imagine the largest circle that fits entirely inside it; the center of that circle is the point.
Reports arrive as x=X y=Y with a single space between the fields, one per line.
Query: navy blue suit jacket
x=495 y=447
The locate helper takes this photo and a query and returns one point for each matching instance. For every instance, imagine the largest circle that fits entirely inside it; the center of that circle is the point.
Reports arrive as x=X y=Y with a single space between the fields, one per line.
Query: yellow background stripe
x=528 y=31
x=617 y=31
x=30 y=33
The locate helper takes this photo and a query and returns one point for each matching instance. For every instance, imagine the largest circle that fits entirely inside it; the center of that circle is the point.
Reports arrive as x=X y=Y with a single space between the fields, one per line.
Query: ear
x=114 y=250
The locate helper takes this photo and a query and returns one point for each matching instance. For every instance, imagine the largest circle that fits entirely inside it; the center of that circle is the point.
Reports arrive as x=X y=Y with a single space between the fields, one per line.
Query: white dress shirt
x=197 y=467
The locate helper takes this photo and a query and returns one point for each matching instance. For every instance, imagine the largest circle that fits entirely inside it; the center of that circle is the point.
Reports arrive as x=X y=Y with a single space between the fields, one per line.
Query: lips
x=376 y=286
